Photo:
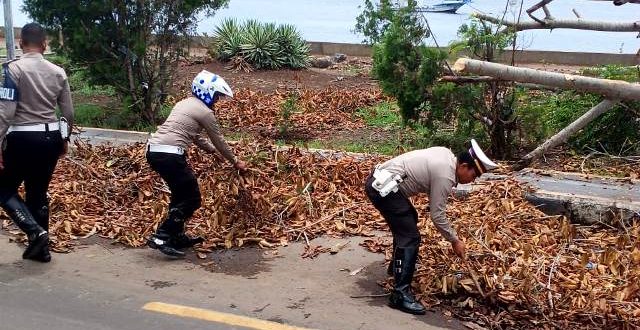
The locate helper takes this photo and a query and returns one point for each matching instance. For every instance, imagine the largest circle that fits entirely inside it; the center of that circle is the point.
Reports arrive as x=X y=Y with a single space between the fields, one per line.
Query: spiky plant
x=260 y=45
x=228 y=38
x=295 y=49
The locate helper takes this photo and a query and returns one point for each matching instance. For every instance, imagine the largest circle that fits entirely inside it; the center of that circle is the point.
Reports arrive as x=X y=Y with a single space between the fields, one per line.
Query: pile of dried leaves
x=524 y=269
x=286 y=195
x=528 y=270
x=318 y=111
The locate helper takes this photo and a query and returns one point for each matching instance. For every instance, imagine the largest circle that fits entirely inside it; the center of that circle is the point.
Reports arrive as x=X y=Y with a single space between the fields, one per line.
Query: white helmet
x=208 y=86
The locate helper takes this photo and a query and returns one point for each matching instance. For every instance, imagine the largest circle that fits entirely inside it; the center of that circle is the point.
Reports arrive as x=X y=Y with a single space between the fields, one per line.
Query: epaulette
x=4 y=64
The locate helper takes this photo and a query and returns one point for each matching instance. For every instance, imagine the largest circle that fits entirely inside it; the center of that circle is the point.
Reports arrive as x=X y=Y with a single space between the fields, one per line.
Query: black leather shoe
x=182 y=241
x=404 y=264
x=38 y=249
x=403 y=299
x=161 y=243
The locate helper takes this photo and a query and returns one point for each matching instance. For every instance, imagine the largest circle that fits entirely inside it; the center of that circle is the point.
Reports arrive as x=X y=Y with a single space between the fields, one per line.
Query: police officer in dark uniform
x=33 y=138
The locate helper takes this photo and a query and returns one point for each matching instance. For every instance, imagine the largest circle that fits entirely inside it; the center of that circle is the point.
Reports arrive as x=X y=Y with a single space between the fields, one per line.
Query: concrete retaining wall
x=525 y=56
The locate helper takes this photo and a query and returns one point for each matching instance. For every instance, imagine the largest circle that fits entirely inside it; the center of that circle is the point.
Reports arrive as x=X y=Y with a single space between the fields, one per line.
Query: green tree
x=374 y=20
x=130 y=45
x=404 y=66
x=494 y=105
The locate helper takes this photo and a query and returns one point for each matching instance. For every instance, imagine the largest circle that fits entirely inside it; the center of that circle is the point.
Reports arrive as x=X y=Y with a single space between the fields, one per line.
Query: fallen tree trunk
x=562 y=136
x=611 y=89
x=578 y=24
x=468 y=79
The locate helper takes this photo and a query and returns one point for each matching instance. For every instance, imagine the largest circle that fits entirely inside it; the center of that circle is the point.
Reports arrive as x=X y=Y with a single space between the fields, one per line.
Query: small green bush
x=262 y=45
x=287 y=109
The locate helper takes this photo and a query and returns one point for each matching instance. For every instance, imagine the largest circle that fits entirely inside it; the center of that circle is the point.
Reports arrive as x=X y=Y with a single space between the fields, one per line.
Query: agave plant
x=228 y=38
x=260 y=45
x=293 y=46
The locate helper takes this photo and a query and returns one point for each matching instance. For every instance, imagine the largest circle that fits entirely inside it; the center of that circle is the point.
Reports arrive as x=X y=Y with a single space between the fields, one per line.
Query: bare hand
x=459 y=248
x=240 y=166
x=1 y=162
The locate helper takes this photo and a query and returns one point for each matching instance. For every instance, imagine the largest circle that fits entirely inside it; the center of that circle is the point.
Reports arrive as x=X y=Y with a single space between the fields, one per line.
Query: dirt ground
x=270 y=81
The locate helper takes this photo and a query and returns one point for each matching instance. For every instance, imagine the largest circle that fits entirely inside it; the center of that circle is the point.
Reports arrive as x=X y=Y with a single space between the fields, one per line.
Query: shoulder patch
x=9 y=89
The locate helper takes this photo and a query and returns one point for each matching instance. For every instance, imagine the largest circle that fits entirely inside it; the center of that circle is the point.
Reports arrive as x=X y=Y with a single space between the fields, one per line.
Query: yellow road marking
x=213 y=316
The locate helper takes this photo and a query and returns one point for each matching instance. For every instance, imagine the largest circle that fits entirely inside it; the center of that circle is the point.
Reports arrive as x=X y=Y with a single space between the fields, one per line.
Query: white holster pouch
x=65 y=131
x=385 y=182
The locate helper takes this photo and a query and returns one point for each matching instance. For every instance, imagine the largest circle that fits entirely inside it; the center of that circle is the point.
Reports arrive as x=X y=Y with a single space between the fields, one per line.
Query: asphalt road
x=101 y=286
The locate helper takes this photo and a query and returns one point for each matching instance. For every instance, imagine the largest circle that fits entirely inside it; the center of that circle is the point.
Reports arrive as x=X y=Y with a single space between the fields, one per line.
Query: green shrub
x=544 y=114
x=262 y=45
x=287 y=109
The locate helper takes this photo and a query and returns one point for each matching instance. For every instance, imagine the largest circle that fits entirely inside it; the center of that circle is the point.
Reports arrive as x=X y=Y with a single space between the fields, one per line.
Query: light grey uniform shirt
x=431 y=171
x=188 y=119
x=41 y=86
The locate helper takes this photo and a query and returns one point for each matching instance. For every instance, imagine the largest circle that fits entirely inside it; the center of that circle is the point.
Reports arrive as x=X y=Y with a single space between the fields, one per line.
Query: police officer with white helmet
x=33 y=137
x=166 y=154
x=434 y=171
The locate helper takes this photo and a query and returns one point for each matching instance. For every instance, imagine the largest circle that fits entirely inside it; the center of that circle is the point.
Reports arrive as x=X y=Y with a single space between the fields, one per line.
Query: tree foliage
x=375 y=20
x=131 y=45
x=405 y=67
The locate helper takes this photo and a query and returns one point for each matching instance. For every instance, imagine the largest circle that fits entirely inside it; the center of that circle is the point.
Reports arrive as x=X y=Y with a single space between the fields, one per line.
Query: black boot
x=404 y=265
x=393 y=257
x=38 y=248
x=162 y=241
x=41 y=214
x=170 y=228
x=182 y=241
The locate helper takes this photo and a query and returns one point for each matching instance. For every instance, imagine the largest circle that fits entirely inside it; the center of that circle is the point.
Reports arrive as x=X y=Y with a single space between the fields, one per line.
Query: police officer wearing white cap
x=166 y=154
x=434 y=171
x=33 y=137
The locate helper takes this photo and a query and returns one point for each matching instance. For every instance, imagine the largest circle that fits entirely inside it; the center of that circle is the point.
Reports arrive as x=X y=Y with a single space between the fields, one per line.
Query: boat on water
x=445 y=6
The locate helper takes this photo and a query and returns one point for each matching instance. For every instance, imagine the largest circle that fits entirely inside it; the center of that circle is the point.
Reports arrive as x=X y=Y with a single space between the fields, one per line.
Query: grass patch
x=383 y=115
x=391 y=147
x=615 y=72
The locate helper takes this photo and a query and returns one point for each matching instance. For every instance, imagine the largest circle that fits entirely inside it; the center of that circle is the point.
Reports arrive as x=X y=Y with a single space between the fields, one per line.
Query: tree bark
x=578 y=24
x=468 y=79
x=562 y=136
x=611 y=89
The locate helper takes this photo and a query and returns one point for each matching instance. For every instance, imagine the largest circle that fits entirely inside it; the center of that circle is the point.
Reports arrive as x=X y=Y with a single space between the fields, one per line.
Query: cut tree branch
x=562 y=136
x=578 y=24
x=611 y=89
x=468 y=79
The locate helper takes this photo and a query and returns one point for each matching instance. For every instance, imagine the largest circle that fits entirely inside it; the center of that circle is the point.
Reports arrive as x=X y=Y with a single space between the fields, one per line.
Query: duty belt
x=55 y=126
x=167 y=149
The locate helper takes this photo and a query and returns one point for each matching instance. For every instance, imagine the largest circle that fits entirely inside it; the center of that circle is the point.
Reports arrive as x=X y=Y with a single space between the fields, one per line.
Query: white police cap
x=483 y=163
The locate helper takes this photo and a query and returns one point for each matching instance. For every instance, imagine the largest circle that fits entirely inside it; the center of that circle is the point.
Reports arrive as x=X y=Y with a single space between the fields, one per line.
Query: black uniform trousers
x=30 y=157
x=399 y=213
x=182 y=182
